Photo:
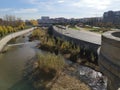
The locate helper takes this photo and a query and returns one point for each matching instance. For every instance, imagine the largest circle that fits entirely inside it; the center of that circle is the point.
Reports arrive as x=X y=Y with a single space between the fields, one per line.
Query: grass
x=49 y=72
x=47 y=68
x=67 y=82
x=75 y=28
x=52 y=43
x=96 y=30
x=99 y=30
x=91 y=29
x=50 y=61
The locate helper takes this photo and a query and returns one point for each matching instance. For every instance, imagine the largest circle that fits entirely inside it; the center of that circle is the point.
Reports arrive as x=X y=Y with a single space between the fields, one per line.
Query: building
x=45 y=18
x=46 y=21
x=92 y=19
x=112 y=17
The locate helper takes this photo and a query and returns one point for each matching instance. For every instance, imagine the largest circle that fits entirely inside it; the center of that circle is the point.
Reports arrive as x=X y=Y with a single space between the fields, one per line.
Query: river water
x=12 y=65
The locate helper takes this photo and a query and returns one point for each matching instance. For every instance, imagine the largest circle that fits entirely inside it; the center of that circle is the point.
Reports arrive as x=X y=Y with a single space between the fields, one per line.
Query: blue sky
x=34 y=9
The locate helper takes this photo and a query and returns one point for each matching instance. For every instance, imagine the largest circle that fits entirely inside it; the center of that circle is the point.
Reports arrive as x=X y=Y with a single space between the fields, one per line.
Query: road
x=81 y=34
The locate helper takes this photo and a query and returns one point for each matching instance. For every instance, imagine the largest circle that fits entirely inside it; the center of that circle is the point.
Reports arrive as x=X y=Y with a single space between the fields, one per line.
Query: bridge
x=7 y=38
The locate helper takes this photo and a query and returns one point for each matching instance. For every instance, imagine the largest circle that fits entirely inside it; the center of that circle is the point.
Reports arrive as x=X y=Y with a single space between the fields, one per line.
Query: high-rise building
x=45 y=18
x=112 y=16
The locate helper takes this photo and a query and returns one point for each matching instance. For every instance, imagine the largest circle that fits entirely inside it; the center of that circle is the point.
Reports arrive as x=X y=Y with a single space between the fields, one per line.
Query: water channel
x=12 y=64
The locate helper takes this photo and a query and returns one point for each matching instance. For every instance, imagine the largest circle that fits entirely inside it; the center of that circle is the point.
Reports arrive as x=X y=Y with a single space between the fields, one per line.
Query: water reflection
x=12 y=64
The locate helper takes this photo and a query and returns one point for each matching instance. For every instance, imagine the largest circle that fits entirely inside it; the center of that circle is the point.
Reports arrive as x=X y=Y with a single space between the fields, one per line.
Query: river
x=13 y=62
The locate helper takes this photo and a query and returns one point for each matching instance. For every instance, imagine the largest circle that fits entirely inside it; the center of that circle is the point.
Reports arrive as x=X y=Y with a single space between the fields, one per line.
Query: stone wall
x=109 y=58
x=7 y=38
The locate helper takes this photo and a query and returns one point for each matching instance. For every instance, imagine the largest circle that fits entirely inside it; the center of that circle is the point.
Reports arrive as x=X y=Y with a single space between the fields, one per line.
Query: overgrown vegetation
x=99 y=30
x=71 y=51
x=49 y=72
x=47 y=68
x=73 y=27
x=50 y=61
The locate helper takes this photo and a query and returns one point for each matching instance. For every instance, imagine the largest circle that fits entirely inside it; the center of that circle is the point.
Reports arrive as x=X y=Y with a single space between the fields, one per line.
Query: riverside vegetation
x=48 y=70
x=71 y=51
x=48 y=73
x=12 y=24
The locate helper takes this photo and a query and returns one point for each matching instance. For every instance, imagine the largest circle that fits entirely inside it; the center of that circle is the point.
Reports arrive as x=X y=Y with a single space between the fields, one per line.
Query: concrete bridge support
x=109 y=58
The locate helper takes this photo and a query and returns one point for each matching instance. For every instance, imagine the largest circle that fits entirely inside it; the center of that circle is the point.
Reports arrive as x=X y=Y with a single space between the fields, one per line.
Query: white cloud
x=21 y=10
x=33 y=1
x=5 y=9
x=65 y=8
x=96 y=4
x=27 y=10
x=61 y=1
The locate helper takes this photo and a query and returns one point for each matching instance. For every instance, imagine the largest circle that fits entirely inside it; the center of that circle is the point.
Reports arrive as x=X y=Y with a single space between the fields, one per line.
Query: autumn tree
x=34 y=22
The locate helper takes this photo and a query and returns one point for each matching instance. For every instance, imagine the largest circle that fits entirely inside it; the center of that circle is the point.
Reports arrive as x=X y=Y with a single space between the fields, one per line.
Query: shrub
x=48 y=67
x=50 y=61
x=38 y=33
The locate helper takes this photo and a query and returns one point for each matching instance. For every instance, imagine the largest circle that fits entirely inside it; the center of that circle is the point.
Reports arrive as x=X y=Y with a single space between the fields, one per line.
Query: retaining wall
x=7 y=38
x=109 y=58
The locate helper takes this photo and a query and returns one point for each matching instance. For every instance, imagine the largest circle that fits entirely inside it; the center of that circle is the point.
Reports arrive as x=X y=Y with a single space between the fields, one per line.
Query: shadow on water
x=12 y=64
x=22 y=85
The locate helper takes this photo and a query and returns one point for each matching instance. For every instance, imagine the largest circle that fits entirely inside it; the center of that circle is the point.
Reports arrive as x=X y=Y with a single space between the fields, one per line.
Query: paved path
x=81 y=34
x=7 y=38
x=10 y=45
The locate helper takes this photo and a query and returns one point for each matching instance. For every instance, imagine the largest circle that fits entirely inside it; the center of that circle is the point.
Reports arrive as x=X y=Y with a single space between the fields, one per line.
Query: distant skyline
x=34 y=9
